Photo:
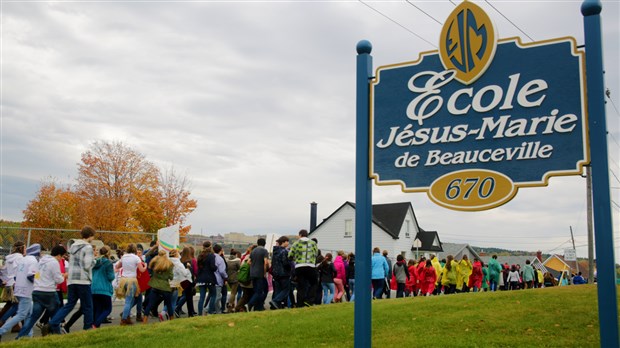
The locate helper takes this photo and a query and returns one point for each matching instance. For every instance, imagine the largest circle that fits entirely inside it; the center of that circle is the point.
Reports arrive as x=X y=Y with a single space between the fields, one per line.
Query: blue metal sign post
x=363 y=200
x=605 y=261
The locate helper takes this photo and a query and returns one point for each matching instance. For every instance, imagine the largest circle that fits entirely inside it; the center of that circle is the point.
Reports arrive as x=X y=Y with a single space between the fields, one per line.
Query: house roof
x=569 y=264
x=517 y=260
x=456 y=248
x=583 y=265
x=389 y=217
x=430 y=241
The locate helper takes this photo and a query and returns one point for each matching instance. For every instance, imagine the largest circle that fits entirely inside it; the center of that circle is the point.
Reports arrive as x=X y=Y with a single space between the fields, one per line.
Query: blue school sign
x=476 y=120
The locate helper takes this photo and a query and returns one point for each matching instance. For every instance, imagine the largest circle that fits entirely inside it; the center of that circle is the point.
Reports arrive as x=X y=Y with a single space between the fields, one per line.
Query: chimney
x=539 y=255
x=312 y=216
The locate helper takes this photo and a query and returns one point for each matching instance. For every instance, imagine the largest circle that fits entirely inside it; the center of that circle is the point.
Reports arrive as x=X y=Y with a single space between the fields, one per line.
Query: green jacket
x=494 y=270
x=485 y=278
x=304 y=253
x=528 y=273
x=161 y=280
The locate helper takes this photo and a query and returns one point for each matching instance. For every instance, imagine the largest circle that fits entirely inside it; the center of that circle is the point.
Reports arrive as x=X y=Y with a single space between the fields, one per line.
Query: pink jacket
x=340 y=270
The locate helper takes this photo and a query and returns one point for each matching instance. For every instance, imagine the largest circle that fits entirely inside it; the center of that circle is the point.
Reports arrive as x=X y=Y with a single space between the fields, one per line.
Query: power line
x=613 y=138
x=516 y=26
x=614 y=163
x=395 y=22
x=608 y=94
x=469 y=235
x=559 y=246
x=421 y=10
x=614 y=175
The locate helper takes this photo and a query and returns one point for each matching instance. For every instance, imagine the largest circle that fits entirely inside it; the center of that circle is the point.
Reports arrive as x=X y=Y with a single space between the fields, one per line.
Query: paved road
x=117 y=309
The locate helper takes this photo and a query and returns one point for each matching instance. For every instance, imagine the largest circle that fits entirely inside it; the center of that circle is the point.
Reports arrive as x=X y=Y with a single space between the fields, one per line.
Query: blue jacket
x=103 y=275
x=380 y=268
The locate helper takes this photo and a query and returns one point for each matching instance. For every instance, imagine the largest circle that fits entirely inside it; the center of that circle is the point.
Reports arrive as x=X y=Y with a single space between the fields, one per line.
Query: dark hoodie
x=280 y=265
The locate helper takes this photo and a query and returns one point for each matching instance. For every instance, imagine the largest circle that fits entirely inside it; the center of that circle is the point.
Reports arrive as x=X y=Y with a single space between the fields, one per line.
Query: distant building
x=240 y=238
x=556 y=264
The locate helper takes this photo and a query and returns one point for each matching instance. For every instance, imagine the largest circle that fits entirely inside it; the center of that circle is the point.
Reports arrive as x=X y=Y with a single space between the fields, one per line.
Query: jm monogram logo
x=467 y=42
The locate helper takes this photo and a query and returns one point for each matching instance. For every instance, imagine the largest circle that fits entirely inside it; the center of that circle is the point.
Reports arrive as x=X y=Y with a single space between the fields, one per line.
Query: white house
x=394 y=228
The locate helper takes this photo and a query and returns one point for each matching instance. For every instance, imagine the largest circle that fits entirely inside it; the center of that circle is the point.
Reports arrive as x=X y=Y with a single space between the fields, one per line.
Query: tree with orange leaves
x=117 y=190
x=53 y=207
x=176 y=203
x=112 y=179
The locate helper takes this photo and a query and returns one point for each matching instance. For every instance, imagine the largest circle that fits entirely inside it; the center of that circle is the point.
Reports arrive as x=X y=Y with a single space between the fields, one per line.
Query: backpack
x=244 y=273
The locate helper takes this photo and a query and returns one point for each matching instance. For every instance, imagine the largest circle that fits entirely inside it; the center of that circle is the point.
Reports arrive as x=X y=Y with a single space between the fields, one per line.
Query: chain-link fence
x=49 y=237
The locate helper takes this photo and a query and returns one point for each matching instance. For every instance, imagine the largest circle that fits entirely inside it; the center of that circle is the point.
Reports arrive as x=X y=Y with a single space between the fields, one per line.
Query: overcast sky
x=255 y=102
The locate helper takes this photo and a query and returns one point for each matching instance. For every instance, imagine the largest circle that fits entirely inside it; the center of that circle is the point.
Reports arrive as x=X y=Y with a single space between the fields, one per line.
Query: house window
x=407 y=229
x=348 y=228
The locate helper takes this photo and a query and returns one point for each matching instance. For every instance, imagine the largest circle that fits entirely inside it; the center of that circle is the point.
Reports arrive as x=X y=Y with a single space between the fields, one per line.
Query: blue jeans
x=23 y=311
x=215 y=299
x=352 y=289
x=130 y=300
x=174 y=297
x=377 y=285
x=260 y=293
x=188 y=298
x=224 y=297
x=281 y=286
x=10 y=313
x=42 y=301
x=328 y=292
x=75 y=292
x=203 y=297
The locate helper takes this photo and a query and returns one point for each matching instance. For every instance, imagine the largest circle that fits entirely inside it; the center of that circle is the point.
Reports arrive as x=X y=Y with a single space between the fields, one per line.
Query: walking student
x=304 y=253
x=27 y=267
x=103 y=275
x=258 y=267
x=380 y=270
x=128 y=288
x=234 y=264
x=401 y=273
x=8 y=278
x=327 y=273
x=162 y=274
x=281 y=272
x=341 y=276
x=44 y=296
x=81 y=264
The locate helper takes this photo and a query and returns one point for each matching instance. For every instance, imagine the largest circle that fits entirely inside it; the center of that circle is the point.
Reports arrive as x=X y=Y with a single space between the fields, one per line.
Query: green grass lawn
x=551 y=317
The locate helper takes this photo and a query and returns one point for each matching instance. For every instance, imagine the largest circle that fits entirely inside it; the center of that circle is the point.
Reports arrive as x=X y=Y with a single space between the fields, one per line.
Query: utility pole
x=573 y=239
x=590 y=225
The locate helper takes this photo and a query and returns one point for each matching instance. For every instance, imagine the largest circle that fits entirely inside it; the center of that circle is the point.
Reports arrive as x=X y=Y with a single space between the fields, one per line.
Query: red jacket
x=411 y=284
x=430 y=276
x=62 y=286
x=475 y=279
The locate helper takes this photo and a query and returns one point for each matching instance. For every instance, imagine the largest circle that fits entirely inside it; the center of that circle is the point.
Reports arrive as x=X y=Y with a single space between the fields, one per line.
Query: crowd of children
x=299 y=275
